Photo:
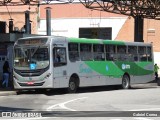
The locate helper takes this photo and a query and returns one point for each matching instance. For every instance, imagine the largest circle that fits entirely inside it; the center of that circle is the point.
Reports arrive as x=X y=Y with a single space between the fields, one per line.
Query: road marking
x=142 y=118
x=134 y=119
x=116 y=119
x=62 y=105
x=147 y=109
x=2 y=96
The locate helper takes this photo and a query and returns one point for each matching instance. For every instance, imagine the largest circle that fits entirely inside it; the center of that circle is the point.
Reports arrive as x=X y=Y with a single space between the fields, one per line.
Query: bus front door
x=60 y=67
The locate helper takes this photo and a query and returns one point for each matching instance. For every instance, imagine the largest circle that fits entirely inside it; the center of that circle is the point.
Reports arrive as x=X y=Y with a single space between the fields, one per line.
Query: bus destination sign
x=31 y=41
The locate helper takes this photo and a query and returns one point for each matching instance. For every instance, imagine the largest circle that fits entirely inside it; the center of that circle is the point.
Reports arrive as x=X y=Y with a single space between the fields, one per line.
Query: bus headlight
x=47 y=76
x=14 y=77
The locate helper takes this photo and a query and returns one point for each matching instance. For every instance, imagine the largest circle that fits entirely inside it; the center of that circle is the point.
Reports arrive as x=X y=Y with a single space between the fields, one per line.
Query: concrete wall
x=70 y=27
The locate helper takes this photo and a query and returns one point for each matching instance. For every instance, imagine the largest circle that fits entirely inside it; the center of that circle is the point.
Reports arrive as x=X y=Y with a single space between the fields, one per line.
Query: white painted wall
x=70 y=27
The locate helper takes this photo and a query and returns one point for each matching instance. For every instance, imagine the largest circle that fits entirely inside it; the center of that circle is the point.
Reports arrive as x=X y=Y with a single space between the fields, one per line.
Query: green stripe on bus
x=95 y=41
x=113 y=42
x=84 y=40
x=116 y=68
x=134 y=68
x=105 y=68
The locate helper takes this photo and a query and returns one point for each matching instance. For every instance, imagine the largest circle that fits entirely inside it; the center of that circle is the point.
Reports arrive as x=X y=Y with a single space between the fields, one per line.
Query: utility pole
x=48 y=20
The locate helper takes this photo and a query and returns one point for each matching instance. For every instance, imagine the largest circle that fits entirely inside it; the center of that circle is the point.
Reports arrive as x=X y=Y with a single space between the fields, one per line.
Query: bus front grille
x=34 y=84
x=31 y=73
x=26 y=74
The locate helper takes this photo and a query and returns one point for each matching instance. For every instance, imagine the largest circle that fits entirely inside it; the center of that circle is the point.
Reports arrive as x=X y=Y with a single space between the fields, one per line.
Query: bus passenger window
x=59 y=56
x=73 y=52
x=132 y=53
x=121 y=53
x=149 y=53
x=98 y=52
x=85 y=52
x=110 y=52
x=142 y=53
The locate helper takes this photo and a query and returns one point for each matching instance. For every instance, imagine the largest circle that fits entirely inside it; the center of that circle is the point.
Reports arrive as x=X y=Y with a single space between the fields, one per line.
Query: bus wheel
x=72 y=88
x=125 y=82
x=18 y=92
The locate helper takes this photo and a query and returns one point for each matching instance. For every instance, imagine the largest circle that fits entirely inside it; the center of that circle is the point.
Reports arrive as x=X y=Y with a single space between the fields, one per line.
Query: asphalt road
x=108 y=103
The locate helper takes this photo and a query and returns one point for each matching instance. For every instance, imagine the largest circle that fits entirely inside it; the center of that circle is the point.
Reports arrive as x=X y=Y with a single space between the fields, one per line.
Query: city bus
x=59 y=62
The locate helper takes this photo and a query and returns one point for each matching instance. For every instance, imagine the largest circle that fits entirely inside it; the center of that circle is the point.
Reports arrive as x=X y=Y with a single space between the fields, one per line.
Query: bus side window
x=59 y=56
x=86 y=52
x=149 y=53
x=121 y=53
x=98 y=52
x=132 y=53
x=110 y=52
x=73 y=52
x=142 y=53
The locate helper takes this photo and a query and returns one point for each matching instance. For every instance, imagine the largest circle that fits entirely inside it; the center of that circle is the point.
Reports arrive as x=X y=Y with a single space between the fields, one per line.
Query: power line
x=8 y=12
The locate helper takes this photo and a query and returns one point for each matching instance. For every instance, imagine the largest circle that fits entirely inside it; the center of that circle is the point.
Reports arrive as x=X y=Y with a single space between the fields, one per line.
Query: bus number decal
x=83 y=69
x=125 y=66
x=32 y=66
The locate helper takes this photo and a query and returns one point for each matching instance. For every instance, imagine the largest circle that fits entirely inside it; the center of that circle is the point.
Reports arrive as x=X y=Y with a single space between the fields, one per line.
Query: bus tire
x=18 y=92
x=125 y=82
x=73 y=85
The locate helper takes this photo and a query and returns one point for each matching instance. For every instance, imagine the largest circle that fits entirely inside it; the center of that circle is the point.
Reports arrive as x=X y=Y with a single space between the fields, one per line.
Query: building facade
x=17 y=13
x=72 y=20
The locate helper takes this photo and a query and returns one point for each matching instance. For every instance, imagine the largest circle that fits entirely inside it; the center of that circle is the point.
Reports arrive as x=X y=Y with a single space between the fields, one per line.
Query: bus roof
x=100 y=41
x=93 y=41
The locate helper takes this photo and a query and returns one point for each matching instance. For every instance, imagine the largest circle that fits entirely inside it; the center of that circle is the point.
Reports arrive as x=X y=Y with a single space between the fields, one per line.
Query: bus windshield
x=30 y=58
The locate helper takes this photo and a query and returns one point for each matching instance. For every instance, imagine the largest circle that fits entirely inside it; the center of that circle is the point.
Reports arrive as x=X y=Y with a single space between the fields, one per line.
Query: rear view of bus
x=31 y=62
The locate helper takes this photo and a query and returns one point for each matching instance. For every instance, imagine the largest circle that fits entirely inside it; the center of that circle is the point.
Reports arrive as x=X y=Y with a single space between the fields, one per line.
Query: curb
x=145 y=85
x=6 y=93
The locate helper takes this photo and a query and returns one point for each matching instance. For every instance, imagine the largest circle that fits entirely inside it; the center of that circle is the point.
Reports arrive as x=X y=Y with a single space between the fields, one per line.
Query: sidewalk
x=6 y=92
x=11 y=91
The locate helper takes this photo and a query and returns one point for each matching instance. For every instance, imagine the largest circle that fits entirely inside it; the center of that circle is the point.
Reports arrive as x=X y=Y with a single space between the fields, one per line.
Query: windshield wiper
x=34 y=51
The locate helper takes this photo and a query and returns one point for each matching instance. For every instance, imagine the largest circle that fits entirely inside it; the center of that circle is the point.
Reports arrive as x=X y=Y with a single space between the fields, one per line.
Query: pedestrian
x=156 y=71
x=5 y=74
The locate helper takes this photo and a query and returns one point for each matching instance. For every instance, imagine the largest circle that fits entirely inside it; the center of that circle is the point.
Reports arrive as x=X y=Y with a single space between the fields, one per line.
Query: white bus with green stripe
x=59 y=62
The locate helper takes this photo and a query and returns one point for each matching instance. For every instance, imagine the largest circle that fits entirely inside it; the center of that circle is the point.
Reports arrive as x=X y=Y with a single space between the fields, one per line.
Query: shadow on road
x=10 y=109
x=50 y=92
x=61 y=91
